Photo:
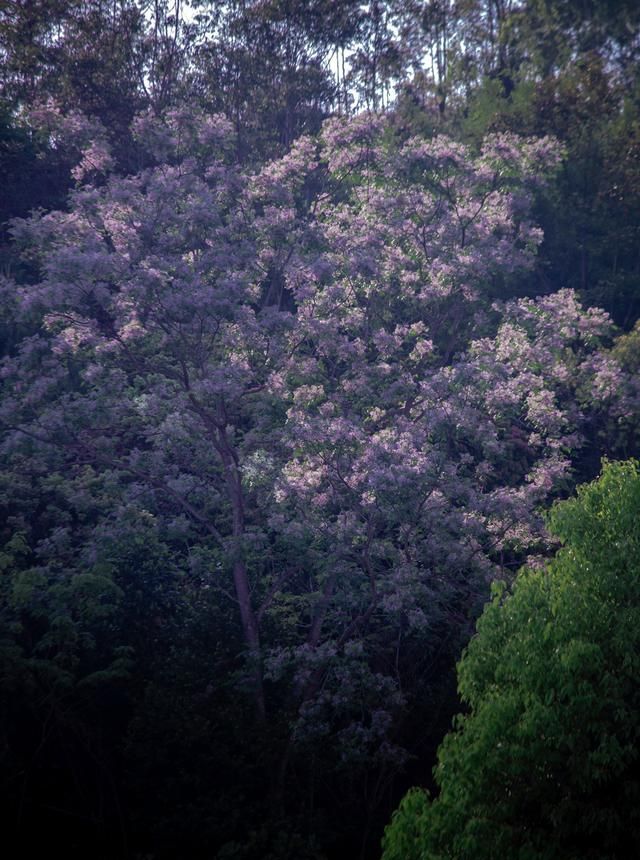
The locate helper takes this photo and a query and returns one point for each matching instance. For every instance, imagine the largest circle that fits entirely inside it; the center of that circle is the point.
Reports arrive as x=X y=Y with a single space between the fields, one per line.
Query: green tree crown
x=545 y=763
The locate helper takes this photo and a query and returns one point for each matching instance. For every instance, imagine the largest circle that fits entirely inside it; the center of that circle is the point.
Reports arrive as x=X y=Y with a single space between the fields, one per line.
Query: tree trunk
x=248 y=616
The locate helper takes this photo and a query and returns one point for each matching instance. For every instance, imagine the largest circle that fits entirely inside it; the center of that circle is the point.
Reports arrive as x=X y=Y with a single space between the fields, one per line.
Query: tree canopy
x=545 y=762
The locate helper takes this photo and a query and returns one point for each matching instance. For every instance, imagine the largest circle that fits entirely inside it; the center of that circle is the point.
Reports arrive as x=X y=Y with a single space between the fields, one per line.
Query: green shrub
x=545 y=762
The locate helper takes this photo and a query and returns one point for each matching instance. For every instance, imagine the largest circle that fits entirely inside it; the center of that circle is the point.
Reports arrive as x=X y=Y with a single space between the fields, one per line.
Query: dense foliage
x=545 y=762
x=306 y=316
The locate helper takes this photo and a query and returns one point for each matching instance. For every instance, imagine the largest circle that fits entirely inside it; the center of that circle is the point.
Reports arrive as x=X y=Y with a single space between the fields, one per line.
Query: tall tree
x=302 y=366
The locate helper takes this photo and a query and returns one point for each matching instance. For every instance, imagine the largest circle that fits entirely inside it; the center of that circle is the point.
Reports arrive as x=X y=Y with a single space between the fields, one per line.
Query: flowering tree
x=300 y=374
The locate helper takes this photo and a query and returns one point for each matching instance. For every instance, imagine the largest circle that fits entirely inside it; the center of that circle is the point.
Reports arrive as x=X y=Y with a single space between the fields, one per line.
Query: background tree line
x=276 y=69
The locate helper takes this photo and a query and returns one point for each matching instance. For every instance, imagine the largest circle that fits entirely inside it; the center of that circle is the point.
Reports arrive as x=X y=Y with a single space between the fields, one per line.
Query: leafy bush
x=545 y=764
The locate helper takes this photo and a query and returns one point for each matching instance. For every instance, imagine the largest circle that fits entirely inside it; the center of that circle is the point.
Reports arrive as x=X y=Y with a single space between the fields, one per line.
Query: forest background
x=309 y=310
